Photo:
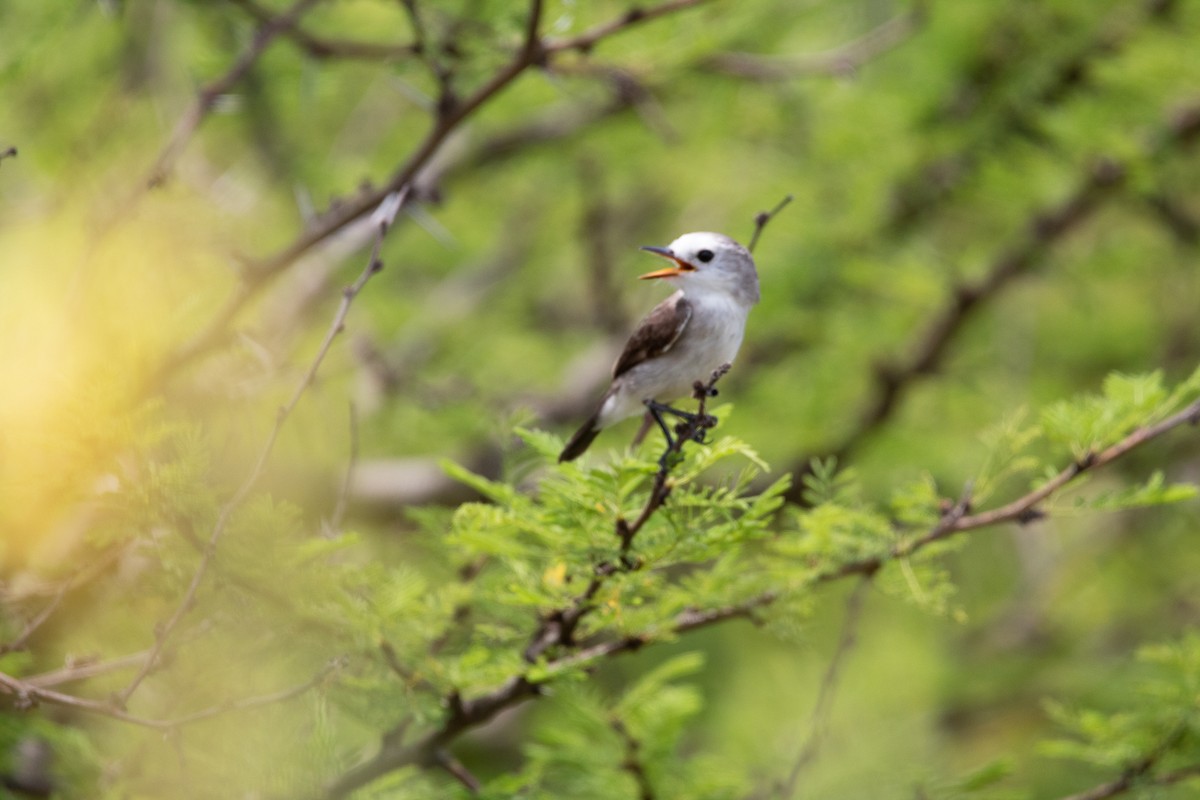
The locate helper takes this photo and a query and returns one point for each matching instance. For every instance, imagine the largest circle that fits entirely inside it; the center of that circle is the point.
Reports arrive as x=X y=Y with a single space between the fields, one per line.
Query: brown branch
x=322 y=48
x=387 y=214
x=8 y=152
x=632 y=763
x=1025 y=508
x=457 y=771
x=586 y=41
x=466 y=714
x=210 y=93
x=1140 y=772
x=261 y=272
x=762 y=218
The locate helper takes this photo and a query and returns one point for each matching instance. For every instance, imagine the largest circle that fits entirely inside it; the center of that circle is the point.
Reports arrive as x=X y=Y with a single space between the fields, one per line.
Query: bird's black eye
x=705 y=256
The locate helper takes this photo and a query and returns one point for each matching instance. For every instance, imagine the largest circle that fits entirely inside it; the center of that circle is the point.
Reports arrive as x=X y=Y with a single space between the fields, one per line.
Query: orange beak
x=680 y=267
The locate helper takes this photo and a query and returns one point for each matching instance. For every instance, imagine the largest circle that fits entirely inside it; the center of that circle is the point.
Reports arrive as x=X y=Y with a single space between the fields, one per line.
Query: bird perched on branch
x=684 y=339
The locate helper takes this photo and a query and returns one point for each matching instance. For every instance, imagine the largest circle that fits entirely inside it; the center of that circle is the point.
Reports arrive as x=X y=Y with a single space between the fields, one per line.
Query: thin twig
x=339 y=509
x=323 y=47
x=95 y=567
x=84 y=669
x=1027 y=507
x=763 y=217
x=387 y=214
x=28 y=694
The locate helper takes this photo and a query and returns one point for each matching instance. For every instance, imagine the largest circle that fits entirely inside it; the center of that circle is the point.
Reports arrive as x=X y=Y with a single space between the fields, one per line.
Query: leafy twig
x=1025 y=508
x=558 y=627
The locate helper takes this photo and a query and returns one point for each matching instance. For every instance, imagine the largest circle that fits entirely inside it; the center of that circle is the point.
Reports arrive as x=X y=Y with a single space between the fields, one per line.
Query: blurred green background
x=1033 y=157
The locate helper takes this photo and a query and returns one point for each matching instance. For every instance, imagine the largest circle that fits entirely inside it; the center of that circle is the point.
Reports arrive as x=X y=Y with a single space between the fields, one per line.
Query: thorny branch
x=386 y=215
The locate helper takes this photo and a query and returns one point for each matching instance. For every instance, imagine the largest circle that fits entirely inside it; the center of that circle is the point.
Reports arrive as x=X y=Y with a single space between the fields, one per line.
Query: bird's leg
x=656 y=411
x=692 y=426
x=658 y=408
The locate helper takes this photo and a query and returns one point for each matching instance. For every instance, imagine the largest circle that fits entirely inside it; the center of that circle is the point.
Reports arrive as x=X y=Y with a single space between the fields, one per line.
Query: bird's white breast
x=712 y=338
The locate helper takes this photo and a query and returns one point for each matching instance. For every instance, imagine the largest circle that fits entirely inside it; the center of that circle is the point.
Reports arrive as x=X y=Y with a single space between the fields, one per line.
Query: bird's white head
x=709 y=262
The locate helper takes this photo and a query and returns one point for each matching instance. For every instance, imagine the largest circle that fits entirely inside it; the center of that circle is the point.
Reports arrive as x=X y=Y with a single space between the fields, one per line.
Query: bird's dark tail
x=581 y=440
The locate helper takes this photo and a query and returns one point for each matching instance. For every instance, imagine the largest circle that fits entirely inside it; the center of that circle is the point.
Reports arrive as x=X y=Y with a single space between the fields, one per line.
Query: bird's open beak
x=680 y=267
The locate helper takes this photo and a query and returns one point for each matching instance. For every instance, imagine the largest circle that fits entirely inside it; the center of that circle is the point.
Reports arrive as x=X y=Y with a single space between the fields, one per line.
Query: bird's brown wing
x=656 y=334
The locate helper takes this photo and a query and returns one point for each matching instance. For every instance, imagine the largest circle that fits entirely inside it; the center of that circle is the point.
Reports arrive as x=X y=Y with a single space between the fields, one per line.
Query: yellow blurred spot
x=555 y=575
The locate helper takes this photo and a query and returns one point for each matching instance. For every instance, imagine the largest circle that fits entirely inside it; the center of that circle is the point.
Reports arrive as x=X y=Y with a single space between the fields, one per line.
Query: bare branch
x=763 y=217
x=82 y=669
x=584 y=42
x=95 y=567
x=321 y=47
